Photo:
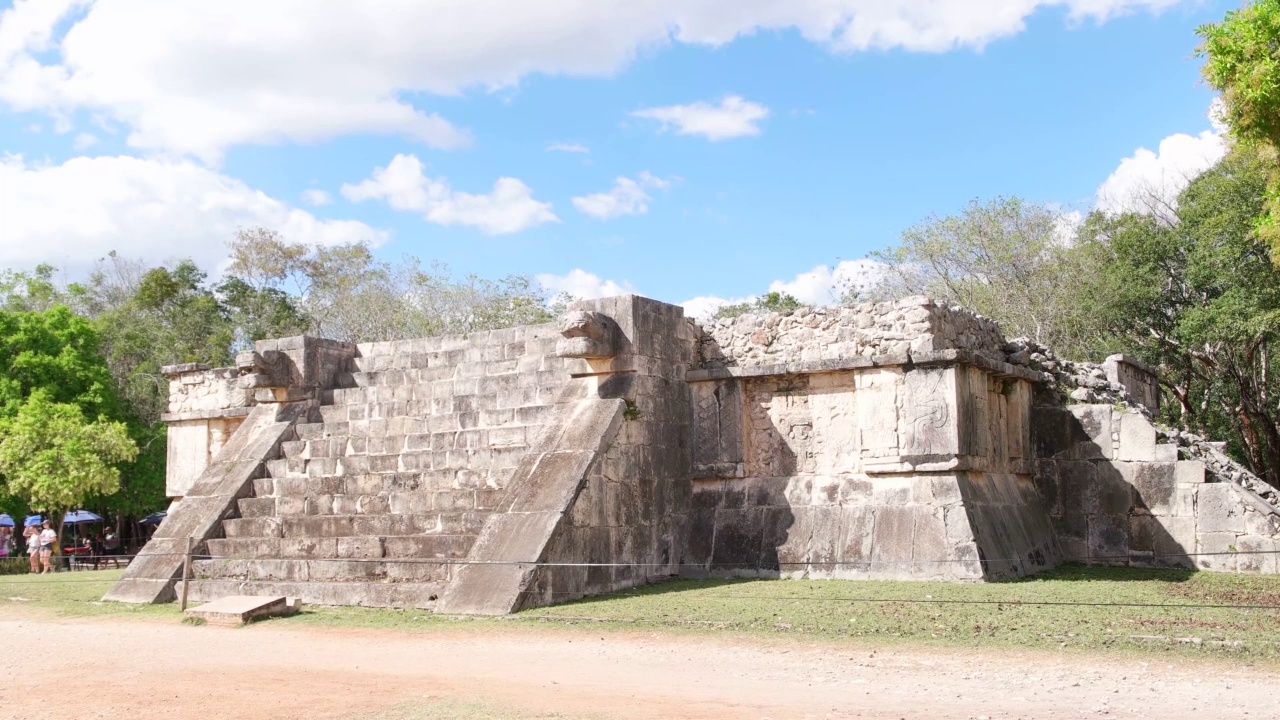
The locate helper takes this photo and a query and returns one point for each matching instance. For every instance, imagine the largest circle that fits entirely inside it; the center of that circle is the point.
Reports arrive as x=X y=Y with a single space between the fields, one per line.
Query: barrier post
x=186 y=572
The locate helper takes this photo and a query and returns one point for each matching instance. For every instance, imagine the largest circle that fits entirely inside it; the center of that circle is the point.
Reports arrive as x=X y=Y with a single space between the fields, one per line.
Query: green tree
x=1008 y=259
x=1201 y=298
x=55 y=351
x=344 y=292
x=1242 y=60
x=772 y=301
x=168 y=316
x=56 y=355
x=54 y=458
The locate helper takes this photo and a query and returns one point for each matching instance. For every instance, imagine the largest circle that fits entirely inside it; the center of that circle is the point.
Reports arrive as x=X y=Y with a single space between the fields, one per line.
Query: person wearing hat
x=31 y=533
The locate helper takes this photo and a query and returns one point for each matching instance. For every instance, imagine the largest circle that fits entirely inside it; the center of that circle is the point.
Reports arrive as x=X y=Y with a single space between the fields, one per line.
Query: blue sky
x=706 y=149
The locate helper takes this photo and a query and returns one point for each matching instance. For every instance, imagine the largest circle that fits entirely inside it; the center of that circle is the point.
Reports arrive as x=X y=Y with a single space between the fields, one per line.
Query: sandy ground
x=102 y=669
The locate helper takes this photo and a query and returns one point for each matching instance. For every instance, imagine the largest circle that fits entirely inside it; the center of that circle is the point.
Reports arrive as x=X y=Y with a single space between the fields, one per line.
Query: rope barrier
x=838 y=599
x=82 y=559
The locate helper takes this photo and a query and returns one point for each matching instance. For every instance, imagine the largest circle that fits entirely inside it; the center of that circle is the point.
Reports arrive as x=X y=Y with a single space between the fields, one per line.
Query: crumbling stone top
x=184 y=368
x=914 y=324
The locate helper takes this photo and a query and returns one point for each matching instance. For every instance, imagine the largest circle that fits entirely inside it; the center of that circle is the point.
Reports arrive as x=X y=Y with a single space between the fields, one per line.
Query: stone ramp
x=150 y=578
x=503 y=562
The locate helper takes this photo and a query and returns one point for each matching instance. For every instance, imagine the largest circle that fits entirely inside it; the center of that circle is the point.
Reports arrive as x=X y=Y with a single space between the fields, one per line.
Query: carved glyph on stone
x=930 y=414
x=587 y=335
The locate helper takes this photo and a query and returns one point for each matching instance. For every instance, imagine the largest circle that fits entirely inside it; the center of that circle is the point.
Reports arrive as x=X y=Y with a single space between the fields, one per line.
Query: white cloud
x=704 y=306
x=84 y=140
x=197 y=77
x=508 y=208
x=824 y=285
x=626 y=197
x=582 y=284
x=568 y=147
x=734 y=117
x=1149 y=182
x=73 y=213
x=316 y=197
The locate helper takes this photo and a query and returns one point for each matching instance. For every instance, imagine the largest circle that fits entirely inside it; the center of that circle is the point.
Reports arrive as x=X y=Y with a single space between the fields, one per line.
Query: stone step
x=322 y=500
x=317 y=547
x=366 y=594
x=423 y=523
x=470 y=487
x=459 y=469
x=335 y=526
x=323 y=570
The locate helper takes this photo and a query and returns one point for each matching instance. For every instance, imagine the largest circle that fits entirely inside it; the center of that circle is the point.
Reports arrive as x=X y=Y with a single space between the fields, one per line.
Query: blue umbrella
x=153 y=519
x=5 y=520
x=32 y=520
x=77 y=517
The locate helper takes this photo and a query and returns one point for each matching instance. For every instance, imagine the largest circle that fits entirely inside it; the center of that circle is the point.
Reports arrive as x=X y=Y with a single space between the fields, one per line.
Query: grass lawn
x=1071 y=608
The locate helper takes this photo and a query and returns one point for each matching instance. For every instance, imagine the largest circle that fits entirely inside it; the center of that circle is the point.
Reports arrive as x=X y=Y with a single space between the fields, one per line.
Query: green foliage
x=33 y=291
x=632 y=411
x=345 y=293
x=168 y=316
x=1242 y=60
x=778 y=302
x=1009 y=260
x=55 y=459
x=53 y=351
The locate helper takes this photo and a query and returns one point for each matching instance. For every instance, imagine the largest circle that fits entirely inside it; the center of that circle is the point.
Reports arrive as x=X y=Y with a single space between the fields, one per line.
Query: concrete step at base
x=358 y=547
x=366 y=594
x=322 y=570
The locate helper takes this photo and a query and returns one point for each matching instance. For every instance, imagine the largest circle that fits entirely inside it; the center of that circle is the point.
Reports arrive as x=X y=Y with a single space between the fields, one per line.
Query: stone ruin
x=508 y=469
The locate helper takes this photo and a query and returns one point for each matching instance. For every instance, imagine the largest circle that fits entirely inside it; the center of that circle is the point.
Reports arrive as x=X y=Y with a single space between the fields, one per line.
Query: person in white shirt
x=32 y=535
x=47 y=537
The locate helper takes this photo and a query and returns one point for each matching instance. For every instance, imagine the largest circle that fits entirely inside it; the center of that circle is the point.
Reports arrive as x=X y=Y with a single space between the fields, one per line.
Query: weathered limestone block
x=1189 y=471
x=1154 y=485
x=1257 y=554
x=1091 y=432
x=877 y=402
x=1109 y=539
x=1219 y=509
x=1137 y=438
x=1216 y=551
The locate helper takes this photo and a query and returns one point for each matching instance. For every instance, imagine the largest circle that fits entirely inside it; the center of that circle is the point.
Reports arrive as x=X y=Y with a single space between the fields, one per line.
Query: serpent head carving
x=587 y=335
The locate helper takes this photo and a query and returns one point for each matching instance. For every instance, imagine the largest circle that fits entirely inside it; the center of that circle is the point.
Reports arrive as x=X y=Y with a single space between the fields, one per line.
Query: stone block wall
x=1118 y=497
x=1140 y=381
x=882 y=470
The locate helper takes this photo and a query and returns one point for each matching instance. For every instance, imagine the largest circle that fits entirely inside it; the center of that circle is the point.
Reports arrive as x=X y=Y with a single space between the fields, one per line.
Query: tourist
x=6 y=542
x=48 y=536
x=31 y=534
x=111 y=545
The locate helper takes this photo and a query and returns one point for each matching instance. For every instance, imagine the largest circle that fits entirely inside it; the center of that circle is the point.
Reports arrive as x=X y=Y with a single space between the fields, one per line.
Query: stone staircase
x=474 y=474
x=376 y=504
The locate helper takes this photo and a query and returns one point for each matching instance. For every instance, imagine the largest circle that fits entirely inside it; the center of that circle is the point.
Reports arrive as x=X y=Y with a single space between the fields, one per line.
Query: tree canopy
x=1242 y=60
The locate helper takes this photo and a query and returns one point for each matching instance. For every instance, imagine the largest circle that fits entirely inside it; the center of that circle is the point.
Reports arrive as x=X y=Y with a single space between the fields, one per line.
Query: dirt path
x=153 y=669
